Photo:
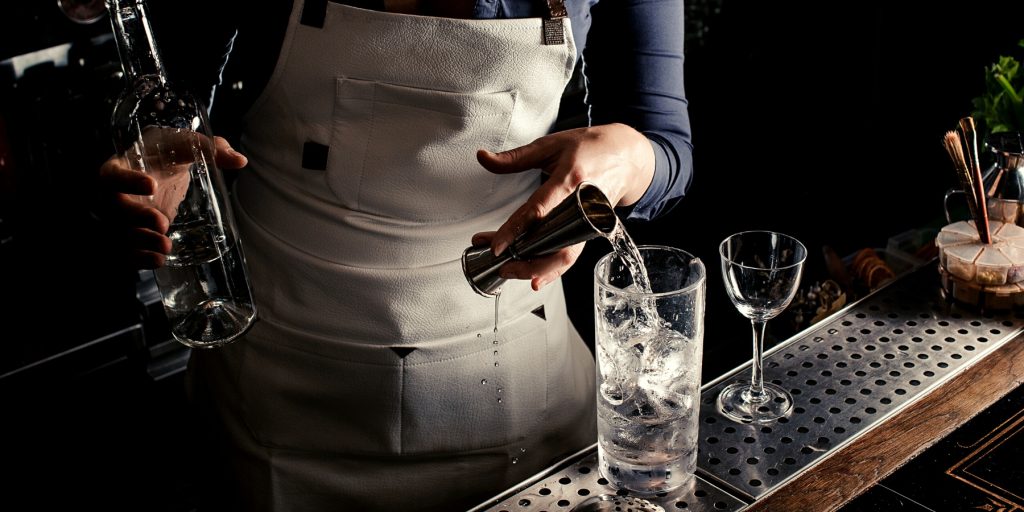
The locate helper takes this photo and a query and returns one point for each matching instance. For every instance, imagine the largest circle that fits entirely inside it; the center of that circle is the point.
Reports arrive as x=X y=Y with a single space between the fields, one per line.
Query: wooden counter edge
x=852 y=470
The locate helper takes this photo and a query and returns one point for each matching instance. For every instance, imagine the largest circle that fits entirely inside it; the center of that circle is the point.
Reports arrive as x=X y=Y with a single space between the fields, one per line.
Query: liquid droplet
x=483 y=381
x=515 y=460
x=499 y=400
x=495 y=353
x=500 y=390
x=522 y=450
x=495 y=363
x=479 y=335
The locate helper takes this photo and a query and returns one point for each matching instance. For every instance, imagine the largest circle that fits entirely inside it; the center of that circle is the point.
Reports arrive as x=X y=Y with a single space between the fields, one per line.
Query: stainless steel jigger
x=585 y=214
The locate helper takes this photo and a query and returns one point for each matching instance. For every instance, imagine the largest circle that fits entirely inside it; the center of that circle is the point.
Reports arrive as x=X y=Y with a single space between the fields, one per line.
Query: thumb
x=226 y=156
x=523 y=158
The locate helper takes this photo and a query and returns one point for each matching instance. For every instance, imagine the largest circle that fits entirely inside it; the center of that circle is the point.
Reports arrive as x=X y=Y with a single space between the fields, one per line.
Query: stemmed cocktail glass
x=762 y=271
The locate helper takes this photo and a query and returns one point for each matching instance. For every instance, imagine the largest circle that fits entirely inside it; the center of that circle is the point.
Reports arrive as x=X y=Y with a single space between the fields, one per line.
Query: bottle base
x=214 y=323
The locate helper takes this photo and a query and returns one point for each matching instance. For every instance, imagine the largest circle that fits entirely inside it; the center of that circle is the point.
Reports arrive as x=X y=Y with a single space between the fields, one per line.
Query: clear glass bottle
x=163 y=130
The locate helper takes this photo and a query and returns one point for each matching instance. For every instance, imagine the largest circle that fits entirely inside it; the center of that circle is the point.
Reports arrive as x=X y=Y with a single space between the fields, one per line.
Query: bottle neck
x=135 y=43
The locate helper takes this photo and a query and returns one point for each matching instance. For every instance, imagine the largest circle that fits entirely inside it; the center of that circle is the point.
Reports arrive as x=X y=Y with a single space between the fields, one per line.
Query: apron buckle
x=554 y=31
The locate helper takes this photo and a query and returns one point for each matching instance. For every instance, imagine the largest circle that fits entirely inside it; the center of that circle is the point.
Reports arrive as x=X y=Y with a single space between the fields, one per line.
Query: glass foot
x=736 y=403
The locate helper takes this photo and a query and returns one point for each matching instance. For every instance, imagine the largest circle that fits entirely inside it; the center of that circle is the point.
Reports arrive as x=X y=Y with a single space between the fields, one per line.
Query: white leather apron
x=373 y=380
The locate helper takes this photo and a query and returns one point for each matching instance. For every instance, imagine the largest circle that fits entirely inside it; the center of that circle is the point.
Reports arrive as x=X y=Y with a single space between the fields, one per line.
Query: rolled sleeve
x=633 y=64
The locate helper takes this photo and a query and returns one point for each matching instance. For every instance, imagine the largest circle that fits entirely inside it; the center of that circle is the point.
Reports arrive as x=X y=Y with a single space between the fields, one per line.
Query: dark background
x=823 y=120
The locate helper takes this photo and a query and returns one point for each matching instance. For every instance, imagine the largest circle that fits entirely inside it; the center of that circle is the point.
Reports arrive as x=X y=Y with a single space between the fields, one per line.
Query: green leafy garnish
x=1001 y=107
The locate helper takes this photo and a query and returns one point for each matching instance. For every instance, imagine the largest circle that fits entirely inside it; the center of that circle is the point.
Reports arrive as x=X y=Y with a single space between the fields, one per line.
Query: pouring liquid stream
x=497 y=384
x=497 y=302
x=626 y=250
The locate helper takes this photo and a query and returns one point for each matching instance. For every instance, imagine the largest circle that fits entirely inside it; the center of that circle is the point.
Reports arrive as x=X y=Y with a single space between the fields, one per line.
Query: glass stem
x=756 y=374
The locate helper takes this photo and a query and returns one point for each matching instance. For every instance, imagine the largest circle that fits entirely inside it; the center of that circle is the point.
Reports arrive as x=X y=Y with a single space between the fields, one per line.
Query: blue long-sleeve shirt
x=631 y=56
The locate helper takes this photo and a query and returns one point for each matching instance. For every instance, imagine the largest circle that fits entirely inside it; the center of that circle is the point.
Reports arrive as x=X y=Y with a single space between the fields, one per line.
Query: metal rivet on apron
x=314 y=156
x=402 y=351
x=540 y=312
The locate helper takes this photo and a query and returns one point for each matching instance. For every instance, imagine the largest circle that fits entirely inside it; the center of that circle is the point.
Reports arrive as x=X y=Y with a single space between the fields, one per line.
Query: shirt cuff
x=650 y=203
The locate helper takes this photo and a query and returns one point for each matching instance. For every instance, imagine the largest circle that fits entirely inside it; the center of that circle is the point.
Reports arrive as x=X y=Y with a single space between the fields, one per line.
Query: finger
x=147 y=260
x=165 y=148
x=544 y=269
x=546 y=197
x=513 y=227
x=147 y=240
x=130 y=212
x=116 y=176
x=226 y=156
x=168 y=147
x=140 y=247
x=482 y=238
x=523 y=158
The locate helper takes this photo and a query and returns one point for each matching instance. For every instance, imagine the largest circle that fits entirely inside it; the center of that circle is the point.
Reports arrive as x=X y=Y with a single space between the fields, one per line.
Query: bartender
x=387 y=137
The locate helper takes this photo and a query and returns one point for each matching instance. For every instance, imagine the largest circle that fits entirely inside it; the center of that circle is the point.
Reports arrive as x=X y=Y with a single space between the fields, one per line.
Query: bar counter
x=874 y=385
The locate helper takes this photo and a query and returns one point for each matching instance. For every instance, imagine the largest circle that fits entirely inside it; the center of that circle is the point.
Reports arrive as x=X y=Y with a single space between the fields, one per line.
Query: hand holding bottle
x=142 y=205
x=180 y=222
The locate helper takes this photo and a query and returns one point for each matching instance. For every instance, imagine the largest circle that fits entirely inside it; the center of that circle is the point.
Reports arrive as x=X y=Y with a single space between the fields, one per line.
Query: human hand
x=140 y=205
x=616 y=158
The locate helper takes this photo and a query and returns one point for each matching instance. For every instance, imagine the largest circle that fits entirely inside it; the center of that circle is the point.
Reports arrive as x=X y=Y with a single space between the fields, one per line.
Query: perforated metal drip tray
x=847 y=374
x=574 y=481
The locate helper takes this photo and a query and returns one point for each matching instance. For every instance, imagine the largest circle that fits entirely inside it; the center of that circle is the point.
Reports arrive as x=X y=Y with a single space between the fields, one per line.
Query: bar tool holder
x=585 y=214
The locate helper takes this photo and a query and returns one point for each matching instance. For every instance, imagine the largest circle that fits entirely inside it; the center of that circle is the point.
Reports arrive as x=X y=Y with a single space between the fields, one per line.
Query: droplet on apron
x=483 y=381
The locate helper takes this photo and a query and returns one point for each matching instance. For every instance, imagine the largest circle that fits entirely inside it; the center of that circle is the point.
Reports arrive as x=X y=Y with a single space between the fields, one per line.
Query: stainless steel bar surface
x=847 y=373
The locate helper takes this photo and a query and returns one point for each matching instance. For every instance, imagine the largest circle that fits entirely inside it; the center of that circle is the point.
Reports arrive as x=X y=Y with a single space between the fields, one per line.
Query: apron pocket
x=410 y=153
